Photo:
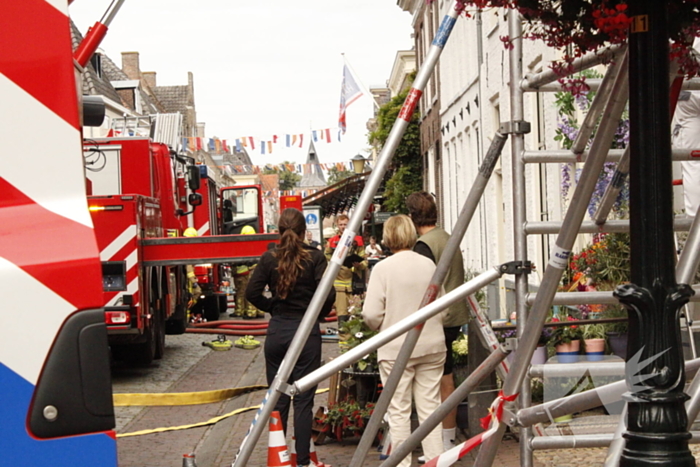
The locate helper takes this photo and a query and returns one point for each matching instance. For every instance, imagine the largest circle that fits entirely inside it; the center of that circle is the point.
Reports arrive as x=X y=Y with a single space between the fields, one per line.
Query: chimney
x=150 y=78
x=130 y=65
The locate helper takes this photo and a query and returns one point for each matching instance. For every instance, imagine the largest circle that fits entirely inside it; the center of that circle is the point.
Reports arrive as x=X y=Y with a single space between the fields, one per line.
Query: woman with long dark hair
x=292 y=271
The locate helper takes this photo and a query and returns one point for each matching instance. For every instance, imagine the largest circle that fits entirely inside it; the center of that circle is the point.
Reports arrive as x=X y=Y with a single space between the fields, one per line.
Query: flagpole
x=364 y=88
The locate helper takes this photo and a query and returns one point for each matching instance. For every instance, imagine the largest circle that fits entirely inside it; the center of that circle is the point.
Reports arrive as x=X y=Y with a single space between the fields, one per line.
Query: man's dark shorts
x=451 y=335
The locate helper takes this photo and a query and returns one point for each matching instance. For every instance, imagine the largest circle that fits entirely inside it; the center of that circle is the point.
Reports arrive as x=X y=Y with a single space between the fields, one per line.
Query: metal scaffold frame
x=531 y=310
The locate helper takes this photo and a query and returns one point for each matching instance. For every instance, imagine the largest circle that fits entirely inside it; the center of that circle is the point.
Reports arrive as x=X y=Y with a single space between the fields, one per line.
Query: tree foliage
x=335 y=175
x=288 y=180
x=406 y=169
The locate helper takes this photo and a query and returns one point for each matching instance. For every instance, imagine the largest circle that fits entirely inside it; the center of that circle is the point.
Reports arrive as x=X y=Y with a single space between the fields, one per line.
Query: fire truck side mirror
x=93 y=110
x=193 y=178
x=195 y=199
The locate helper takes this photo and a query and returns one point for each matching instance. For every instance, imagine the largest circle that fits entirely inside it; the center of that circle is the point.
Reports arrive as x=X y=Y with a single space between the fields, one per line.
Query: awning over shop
x=340 y=197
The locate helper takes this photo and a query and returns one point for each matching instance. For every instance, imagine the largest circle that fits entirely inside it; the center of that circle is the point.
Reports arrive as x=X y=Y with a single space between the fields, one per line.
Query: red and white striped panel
x=203 y=230
x=49 y=264
x=123 y=248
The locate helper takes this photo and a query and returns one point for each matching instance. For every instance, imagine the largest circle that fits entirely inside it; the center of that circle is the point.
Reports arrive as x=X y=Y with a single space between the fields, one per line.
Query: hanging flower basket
x=577 y=27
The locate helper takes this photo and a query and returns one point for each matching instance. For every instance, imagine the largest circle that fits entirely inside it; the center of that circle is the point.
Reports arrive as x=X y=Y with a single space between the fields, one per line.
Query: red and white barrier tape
x=489 y=423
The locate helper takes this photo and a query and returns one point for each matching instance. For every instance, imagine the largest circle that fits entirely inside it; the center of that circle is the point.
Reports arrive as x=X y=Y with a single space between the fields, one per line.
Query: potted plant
x=594 y=341
x=617 y=332
x=345 y=419
x=460 y=356
x=355 y=332
x=566 y=339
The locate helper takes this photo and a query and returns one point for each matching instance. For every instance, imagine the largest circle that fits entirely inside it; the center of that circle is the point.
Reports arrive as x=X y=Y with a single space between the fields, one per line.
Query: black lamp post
x=656 y=420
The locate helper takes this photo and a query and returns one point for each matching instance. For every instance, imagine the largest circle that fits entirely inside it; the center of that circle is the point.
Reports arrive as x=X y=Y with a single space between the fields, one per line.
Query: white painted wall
x=464 y=82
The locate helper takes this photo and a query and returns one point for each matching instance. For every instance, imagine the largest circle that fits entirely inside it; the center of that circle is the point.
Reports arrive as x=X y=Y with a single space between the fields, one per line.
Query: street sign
x=314 y=222
x=381 y=217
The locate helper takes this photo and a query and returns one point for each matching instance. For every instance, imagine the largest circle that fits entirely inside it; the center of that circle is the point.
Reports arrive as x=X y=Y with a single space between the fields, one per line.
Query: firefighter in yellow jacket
x=343 y=282
x=192 y=286
x=240 y=280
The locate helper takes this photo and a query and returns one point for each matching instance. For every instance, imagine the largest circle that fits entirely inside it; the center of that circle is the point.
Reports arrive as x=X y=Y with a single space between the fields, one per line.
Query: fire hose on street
x=237 y=327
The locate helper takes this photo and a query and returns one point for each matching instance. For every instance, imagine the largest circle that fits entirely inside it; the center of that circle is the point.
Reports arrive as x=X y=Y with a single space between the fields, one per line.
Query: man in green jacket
x=431 y=243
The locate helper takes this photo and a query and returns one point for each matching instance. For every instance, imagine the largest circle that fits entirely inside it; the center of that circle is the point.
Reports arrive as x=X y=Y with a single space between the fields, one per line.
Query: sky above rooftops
x=263 y=68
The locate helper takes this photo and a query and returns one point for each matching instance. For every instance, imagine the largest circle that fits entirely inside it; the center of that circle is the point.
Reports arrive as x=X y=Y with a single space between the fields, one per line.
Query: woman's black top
x=302 y=291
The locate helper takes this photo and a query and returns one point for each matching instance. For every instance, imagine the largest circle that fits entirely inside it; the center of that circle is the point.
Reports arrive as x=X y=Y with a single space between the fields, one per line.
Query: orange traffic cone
x=314 y=457
x=277 y=453
x=188 y=460
x=312 y=454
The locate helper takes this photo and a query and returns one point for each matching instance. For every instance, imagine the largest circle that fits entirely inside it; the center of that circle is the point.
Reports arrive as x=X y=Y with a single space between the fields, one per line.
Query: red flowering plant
x=577 y=27
x=566 y=333
x=345 y=418
x=605 y=261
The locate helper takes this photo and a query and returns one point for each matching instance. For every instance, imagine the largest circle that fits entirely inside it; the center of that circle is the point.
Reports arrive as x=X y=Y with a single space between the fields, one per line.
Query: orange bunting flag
x=269 y=146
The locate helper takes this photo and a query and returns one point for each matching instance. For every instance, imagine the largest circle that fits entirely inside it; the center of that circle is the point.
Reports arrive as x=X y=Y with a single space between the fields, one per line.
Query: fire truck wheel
x=142 y=354
x=177 y=323
x=159 y=322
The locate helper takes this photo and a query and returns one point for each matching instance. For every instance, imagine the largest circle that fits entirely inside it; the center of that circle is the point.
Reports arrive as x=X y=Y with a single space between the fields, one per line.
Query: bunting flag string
x=300 y=169
x=252 y=143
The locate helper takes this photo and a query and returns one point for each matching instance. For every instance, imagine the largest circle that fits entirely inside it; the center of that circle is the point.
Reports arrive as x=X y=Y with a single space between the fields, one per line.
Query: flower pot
x=568 y=353
x=595 y=349
x=540 y=356
x=618 y=344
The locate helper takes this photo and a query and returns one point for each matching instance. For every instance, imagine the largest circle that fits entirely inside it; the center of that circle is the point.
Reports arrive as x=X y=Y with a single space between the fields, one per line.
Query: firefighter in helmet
x=192 y=286
x=240 y=280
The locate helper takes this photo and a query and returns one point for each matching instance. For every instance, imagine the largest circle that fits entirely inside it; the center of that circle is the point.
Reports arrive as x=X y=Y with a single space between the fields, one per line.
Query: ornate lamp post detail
x=656 y=422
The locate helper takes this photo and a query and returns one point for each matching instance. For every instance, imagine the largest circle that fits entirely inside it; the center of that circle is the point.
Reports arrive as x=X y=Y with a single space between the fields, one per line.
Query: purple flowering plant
x=567 y=129
x=504 y=334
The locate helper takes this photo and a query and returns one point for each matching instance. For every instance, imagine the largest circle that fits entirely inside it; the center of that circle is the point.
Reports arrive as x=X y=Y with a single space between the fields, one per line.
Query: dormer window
x=96 y=62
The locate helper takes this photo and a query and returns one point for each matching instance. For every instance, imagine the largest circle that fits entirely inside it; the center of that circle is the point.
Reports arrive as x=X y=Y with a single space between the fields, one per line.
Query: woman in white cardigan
x=395 y=291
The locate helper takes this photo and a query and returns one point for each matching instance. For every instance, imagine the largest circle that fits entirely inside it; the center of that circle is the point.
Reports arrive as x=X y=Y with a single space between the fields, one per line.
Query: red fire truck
x=79 y=280
x=142 y=198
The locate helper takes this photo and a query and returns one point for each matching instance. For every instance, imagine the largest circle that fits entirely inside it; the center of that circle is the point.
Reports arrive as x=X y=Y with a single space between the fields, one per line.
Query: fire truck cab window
x=240 y=208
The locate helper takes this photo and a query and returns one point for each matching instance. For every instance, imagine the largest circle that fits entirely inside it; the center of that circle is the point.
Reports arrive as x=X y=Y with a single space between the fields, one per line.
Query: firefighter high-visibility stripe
x=47 y=313
x=118 y=243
